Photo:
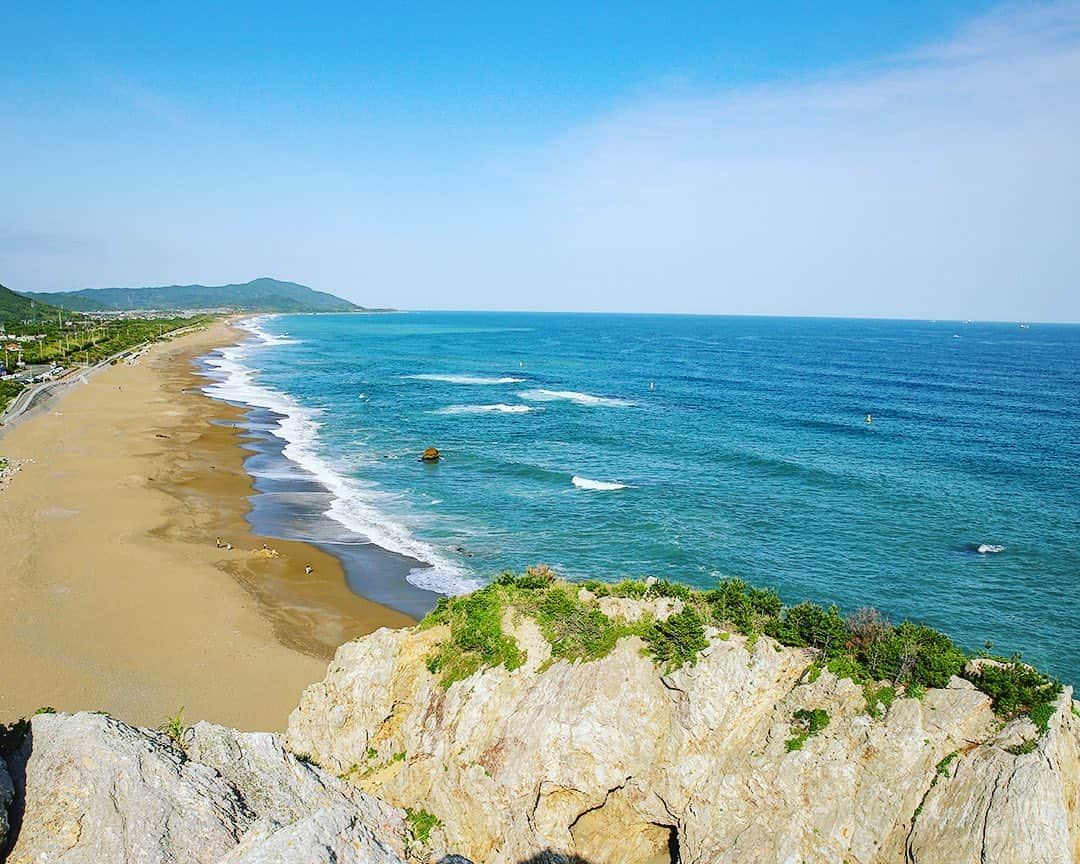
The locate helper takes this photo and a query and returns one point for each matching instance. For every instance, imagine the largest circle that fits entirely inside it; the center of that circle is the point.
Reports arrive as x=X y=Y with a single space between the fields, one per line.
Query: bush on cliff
x=476 y=637
x=1018 y=689
x=678 y=640
x=864 y=647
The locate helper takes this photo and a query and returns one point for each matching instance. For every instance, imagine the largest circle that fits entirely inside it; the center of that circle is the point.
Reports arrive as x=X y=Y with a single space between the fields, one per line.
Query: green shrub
x=846 y=666
x=878 y=695
x=806 y=723
x=677 y=640
x=533 y=579
x=174 y=727
x=1028 y=745
x=747 y=609
x=915 y=652
x=812 y=626
x=631 y=588
x=664 y=588
x=1016 y=688
x=865 y=647
x=942 y=767
x=421 y=824
x=476 y=636
x=576 y=629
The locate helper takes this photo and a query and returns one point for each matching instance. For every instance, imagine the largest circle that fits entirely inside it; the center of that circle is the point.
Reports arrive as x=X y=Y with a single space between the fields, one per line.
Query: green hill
x=15 y=307
x=259 y=295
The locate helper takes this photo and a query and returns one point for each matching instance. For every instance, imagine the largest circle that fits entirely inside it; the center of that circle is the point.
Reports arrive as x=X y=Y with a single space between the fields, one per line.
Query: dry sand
x=113 y=595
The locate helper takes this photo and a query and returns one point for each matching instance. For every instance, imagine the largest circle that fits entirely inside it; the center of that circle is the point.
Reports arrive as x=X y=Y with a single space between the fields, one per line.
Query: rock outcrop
x=93 y=789
x=616 y=762
x=751 y=753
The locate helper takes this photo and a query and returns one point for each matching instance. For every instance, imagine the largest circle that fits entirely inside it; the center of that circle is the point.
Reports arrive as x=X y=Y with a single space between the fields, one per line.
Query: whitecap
x=485 y=409
x=354 y=504
x=464 y=379
x=596 y=485
x=989 y=548
x=540 y=395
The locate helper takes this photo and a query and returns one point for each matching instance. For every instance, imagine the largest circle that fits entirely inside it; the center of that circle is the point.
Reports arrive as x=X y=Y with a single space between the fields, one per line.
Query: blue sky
x=909 y=160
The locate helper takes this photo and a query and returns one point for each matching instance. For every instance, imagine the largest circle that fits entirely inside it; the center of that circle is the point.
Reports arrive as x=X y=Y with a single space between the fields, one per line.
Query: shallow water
x=689 y=447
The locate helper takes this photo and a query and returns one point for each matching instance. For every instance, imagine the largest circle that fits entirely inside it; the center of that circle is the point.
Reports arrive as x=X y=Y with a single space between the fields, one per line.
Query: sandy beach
x=114 y=595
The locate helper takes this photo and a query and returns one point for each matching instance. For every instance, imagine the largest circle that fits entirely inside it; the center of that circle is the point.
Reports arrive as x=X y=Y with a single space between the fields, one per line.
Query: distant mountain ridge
x=258 y=295
x=16 y=307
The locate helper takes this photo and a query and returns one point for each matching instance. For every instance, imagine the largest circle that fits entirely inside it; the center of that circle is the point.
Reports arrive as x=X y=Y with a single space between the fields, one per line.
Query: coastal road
x=41 y=394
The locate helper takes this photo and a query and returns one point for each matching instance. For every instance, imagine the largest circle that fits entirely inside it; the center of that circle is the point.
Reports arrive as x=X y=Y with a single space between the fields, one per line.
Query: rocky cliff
x=88 y=788
x=751 y=753
x=561 y=724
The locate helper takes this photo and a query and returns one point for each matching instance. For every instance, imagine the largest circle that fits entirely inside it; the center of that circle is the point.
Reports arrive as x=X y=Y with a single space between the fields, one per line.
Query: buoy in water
x=869 y=418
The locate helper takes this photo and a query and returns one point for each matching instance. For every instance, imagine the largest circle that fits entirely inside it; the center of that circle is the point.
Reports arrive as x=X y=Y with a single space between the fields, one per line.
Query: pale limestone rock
x=613 y=761
x=282 y=789
x=98 y=791
x=996 y=807
x=331 y=835
x=660 y=608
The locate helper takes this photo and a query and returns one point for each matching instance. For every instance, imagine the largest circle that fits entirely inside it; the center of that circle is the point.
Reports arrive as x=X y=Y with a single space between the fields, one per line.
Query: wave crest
x=354 y=505
x=596 y=485
x=541 y=395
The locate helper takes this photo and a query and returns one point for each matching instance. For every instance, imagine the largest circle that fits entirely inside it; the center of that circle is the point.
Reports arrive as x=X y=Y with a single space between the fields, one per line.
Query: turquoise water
x=693 y=447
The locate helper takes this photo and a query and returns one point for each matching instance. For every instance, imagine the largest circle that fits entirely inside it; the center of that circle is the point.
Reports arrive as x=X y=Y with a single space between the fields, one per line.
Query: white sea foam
x=596 y=485
x=989 y=548
x=485 y=409
x=540 y=395
x=464 y=379
x=353 y=504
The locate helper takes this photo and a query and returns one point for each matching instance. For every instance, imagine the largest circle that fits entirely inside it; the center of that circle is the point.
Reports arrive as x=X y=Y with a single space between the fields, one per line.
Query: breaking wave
x=353 y=504
x=540 y=395
x=596 y=485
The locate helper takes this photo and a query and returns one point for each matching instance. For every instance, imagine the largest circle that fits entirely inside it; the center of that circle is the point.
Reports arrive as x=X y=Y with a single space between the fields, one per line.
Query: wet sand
x=113 y=595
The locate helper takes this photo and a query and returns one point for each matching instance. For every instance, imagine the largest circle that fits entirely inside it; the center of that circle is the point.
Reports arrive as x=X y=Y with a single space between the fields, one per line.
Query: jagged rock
x=993 y=806
x=92 y=789
x=430 y=455
x=7 y=795
x=616 y=762
x=282 y=789
x=332 y=835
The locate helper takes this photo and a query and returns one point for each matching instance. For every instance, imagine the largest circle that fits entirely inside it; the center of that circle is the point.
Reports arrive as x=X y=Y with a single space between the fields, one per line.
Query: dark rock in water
x=430 y=455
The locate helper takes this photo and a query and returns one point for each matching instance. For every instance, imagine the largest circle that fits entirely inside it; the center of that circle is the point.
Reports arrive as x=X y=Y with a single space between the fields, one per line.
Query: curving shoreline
x=114 y=595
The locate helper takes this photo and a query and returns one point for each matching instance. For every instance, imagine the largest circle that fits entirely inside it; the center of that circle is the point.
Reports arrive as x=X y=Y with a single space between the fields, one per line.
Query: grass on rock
x=805 y=724
x=421 y=824
x=886 y=659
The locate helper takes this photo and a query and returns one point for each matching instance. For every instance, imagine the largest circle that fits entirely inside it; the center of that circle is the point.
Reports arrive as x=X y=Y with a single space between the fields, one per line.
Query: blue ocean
x=929 y=469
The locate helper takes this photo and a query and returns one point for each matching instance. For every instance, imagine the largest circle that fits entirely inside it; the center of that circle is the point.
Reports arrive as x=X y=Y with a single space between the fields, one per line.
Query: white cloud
x=944 y=183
